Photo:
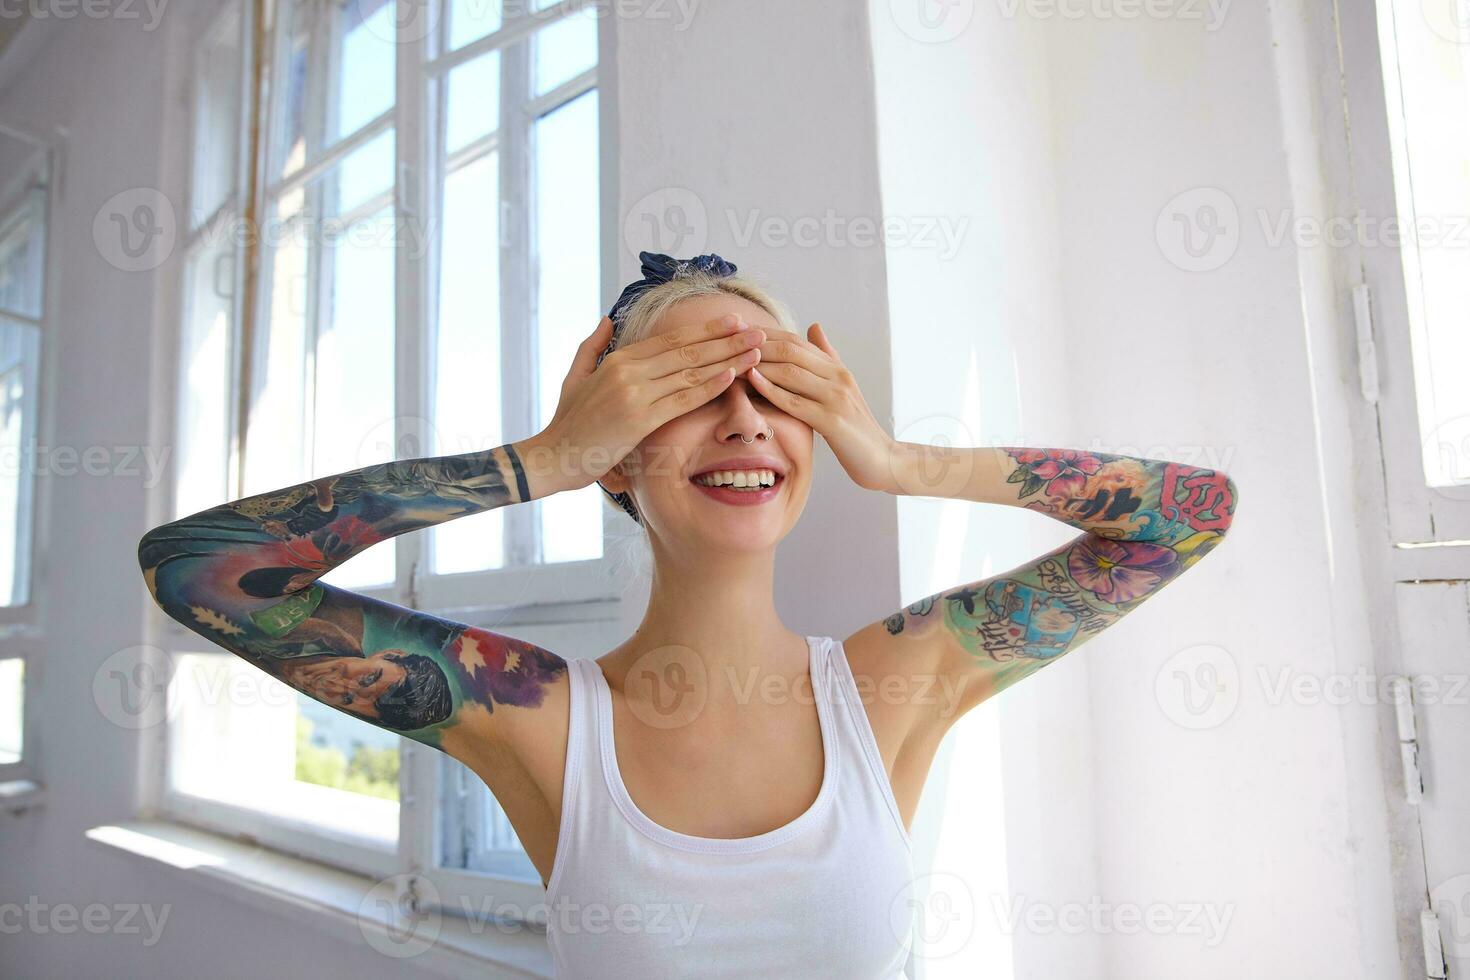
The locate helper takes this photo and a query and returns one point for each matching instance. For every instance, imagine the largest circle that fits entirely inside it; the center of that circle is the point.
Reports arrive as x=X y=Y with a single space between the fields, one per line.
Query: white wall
x=1065 y=139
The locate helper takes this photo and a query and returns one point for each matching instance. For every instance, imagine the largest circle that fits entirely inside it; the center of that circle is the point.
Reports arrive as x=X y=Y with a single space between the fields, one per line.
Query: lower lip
x=741 y=498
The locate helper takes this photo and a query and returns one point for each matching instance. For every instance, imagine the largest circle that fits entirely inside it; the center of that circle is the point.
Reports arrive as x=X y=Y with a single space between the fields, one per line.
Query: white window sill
x=19 y=795
x=332 y=900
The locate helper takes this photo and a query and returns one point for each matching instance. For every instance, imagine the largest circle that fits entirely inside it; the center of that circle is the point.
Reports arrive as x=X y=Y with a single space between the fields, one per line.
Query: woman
x=737 y=795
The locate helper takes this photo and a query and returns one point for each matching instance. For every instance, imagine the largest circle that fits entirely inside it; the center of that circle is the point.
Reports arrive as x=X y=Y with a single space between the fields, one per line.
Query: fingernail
x=741 y=325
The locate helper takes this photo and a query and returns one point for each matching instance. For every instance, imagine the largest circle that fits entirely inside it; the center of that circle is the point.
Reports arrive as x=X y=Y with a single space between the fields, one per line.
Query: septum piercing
x=768 y=434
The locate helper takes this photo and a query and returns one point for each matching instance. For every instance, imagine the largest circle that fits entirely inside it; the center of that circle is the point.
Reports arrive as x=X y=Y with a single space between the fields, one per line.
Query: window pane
x=364 y=85
x=12 y=704
x=275 y=446
x=292 y=79
x=337 y=75
x=470 y=20
x=1432 y=173
x=20 y=352
x=354 y=372
x=202 y=458
x=22 y=252
x=242 y=737
x=566 y=49
x=567 y=290
x=366 y=173
x=467 y=353
x=324 y=395
x=474 y=101
x=217 y=120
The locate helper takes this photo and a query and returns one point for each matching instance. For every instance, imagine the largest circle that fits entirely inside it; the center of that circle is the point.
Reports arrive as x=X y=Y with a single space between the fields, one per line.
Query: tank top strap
x=851 y=716
x=581 y=759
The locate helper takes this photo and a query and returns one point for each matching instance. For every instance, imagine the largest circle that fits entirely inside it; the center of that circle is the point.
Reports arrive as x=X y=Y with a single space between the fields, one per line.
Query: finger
x=690 y=397
x=782 y=346
x=684 y=335
x=587 y=351
x=694 y=376
x=818 y=336
x=796 y=379
x=788 y=402
x=702 y=353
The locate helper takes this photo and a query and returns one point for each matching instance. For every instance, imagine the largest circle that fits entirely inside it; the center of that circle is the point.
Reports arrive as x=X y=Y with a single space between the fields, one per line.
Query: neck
x=722 y=609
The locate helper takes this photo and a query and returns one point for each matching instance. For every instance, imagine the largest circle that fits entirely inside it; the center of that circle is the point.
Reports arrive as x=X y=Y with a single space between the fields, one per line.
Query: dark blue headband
x=657 y=269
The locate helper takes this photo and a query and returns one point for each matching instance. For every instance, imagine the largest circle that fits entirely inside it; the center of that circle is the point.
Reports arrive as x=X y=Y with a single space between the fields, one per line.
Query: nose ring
x=768 y=434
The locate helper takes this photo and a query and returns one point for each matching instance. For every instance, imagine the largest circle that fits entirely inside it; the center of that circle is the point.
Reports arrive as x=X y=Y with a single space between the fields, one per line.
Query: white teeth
x=737 y=478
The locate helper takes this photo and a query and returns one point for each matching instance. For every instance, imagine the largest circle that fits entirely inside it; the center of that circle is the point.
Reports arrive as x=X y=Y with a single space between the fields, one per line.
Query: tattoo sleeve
x=244 y=576
x=1145 y=522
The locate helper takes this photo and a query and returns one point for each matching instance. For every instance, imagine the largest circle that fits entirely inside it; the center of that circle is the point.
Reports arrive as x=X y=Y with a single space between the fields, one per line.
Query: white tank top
x=826 y=895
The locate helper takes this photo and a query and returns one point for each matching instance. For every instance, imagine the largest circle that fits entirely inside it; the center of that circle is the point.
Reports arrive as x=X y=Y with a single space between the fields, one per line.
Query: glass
x=467 y=416
x=1431 y=113
x=22 y=254
x=470 y=20
x=568 y=287
x=473 y=107
x=12 y=705
x=216 y=121
x=365 y=173
x=240 y=736
x=275 y=444
x=202 y=458
x=566 y=49
x=20 y=353
x=364 y=85
x=338 y=74
x=354 y=417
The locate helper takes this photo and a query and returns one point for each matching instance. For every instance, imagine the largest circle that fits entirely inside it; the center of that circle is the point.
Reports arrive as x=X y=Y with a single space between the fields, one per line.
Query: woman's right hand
x=606 y=409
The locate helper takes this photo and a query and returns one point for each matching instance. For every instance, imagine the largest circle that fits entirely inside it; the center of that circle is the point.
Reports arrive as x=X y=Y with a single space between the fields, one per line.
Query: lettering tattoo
x=244 y=576
x=1145 y=521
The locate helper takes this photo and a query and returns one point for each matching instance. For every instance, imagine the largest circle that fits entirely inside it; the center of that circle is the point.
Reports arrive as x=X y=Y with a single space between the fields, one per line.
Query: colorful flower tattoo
x=1146 y=522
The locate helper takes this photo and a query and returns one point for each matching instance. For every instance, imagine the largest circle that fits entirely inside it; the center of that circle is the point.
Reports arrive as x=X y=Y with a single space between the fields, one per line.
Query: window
x=1421 y=275
x=423 y=256
x=24 y=205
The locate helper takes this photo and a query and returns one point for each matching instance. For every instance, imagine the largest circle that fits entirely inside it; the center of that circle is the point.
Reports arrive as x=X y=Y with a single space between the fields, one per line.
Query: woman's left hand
x=806 y=379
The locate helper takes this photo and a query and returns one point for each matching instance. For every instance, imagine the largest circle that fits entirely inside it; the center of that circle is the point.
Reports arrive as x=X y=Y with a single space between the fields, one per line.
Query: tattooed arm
x=244 y=576
x=1145 y=522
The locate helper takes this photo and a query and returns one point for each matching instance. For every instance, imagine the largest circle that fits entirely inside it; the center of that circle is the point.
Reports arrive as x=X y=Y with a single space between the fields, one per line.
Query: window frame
x=21 y=635
x=569 y=592
x=1418 y=514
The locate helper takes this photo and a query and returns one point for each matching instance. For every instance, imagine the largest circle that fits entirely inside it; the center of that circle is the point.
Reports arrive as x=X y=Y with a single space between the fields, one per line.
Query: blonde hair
x=635 y=321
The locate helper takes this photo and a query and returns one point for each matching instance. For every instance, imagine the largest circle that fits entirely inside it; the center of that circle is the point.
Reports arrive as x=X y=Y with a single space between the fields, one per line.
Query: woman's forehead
x=702 y=309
